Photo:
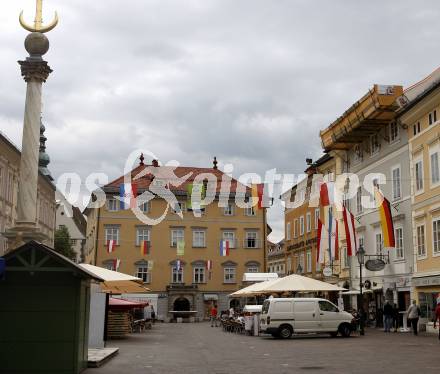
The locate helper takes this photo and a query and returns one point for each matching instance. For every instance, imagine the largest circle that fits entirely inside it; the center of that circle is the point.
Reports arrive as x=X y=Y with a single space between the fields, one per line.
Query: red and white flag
x=327 y=193
x=209 y=265
x=116 y=264
x=334 y=240
x=111 y=244
x=350 y=232
x=322 y=242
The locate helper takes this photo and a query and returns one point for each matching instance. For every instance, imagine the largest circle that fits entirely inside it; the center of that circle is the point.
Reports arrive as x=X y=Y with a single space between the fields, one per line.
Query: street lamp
x=361 y=260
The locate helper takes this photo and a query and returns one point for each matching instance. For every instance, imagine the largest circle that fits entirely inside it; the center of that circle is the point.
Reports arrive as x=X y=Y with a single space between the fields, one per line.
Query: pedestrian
x=213 y=315
x=153 y=315
x=231 y=312
x=395 y=317
x=387 y=316
x=437 y=317
x=413 y=316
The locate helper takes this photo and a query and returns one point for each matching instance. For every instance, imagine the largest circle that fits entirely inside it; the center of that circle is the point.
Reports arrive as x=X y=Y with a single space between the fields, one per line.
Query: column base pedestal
x=23 y=233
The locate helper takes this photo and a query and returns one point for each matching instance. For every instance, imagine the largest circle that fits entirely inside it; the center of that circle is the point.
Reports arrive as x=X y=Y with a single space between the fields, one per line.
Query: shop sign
x=327 y=271
x=426 y=281
x=375 y=264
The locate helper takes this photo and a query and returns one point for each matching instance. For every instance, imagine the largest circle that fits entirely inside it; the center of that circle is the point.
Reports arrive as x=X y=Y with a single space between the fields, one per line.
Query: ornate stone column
x=35 y=71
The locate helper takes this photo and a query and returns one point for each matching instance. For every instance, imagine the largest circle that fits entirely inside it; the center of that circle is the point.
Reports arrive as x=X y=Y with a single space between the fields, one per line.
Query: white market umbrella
x=116 y=282
x=252 y=290
x=296 y=283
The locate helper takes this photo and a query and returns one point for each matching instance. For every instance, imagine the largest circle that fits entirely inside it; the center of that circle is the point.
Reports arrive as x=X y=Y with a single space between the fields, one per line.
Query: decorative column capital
x=34 y=70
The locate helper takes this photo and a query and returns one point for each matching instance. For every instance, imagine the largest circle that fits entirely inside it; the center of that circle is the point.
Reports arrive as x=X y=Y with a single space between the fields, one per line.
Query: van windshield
x=265 y=308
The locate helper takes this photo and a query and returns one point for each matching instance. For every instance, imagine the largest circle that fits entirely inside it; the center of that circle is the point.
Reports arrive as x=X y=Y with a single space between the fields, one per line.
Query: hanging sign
x=375 y=264
x=327 y=271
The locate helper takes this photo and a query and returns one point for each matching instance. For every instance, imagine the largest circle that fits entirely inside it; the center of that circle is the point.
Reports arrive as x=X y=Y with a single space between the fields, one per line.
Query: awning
x=122 y=304
x=119 y=287
x=115 y=282
x=210 y=296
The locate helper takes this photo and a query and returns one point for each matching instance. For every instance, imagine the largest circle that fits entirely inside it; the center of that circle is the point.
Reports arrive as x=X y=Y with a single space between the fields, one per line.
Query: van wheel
x=285 y=332
x=345 y=330
x=276 y=335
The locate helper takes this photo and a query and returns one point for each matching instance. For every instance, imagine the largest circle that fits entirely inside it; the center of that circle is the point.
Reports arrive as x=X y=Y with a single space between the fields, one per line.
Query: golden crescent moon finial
x=38 y=23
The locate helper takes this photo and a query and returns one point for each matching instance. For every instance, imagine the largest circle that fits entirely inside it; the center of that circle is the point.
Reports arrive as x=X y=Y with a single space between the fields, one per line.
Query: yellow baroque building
x=192 y=286
x=421 y=117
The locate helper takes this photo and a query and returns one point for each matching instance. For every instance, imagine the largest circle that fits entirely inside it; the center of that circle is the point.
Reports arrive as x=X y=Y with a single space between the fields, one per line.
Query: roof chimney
x=215 y=163
x=155 y=163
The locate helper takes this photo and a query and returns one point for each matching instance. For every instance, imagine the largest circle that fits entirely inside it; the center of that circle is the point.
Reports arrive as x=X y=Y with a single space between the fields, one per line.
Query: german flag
x=145 y=250
x=257 y=194
x=386 y=220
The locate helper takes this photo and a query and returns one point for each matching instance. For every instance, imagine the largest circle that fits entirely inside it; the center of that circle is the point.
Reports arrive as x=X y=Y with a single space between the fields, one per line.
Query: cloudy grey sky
x=249 y=81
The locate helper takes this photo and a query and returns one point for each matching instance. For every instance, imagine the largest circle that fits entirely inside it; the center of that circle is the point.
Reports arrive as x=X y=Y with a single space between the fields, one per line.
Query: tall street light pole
x=361 y=259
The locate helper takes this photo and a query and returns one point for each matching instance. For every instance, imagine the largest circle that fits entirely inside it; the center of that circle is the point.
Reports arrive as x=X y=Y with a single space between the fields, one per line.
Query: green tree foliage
x=63 y=243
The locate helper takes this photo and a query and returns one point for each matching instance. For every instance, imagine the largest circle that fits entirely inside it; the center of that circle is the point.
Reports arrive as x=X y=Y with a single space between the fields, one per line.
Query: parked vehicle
x=282 y=317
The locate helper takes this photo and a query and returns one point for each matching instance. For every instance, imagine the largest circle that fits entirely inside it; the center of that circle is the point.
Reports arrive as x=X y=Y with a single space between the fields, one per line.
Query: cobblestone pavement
x=198 y=348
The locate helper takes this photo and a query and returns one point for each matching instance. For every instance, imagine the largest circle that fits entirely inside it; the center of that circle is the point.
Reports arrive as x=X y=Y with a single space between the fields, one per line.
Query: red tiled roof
x=147 y=177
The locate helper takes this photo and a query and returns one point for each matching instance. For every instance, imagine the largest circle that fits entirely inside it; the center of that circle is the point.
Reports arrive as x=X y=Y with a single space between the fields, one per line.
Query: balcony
x=364 y=118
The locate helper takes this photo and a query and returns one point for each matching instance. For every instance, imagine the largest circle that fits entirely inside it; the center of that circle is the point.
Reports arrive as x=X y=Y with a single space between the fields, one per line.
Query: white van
x=282 y=317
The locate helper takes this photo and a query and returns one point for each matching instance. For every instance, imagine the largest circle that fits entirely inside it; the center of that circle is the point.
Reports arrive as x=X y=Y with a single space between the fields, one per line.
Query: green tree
x=63 y=243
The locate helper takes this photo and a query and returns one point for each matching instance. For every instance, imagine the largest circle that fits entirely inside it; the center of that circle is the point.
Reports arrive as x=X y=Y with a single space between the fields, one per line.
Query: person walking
x=387 y=316
x=395 y=317
x=413 y=316
x=437 y=317
x=213 y=315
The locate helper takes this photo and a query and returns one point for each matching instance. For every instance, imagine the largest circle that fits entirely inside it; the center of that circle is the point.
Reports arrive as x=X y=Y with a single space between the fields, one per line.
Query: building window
x=229 y=275
x=110 y=265
x=309 y=261
x=432 y=117
x=436 y=236
x=357 y=153
x=435 y=175
x=289 y=265
x=199 y=274
x=309 y=222
x=379 y=244
x=230 y=237
x=111 y=233
x=142 y=235
x=374 y=144
x=395 y=173
x=250 y=211
x=179 y=207
x=199 y=238
x=394 y=132
x=301 y=225
x=317 y=214
x=177 y=235
x=359 y=206
x=229 y=210
x=251 y=240
x=145 y=207
x=252 y=269
x=301 y=263
x=398 y=233
x=176 y=274
x=143 y=273
x=416 y=128
x=419 y=175
x=112 y=205
x=10 y=187
x=295 y=228
x=288 y=231
x=421 y=249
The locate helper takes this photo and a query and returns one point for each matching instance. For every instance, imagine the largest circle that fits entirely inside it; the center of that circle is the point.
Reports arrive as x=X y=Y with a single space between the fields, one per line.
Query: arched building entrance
x=181 y=304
